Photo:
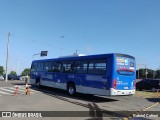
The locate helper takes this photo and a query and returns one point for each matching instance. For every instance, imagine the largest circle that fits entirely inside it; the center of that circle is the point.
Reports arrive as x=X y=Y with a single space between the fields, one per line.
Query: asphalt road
x=49 y=99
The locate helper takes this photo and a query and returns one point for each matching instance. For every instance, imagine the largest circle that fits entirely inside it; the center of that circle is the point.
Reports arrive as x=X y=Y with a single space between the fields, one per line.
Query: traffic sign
x=44 y=53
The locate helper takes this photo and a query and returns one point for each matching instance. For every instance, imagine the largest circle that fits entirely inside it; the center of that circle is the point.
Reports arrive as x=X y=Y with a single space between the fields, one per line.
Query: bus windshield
x=125 y=65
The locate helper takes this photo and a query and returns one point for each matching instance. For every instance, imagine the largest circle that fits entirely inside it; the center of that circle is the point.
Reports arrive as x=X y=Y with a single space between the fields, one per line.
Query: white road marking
x=20 y=89
x=5 y=93
x=4 y=89
x=11 y=90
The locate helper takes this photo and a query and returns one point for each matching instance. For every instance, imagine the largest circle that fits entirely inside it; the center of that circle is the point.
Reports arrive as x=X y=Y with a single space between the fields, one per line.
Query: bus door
x=125 y=72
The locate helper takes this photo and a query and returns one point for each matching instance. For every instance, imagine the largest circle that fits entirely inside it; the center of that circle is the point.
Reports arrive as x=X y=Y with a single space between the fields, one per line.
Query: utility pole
x=139 y=68
x=7 y=57
x=146 y=72
x=153 y=73
x=61 y=51
x=76 y=52
x=35 y=55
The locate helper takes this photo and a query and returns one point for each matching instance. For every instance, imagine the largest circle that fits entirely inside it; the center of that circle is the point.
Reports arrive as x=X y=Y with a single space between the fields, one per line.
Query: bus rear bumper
x=121 y=92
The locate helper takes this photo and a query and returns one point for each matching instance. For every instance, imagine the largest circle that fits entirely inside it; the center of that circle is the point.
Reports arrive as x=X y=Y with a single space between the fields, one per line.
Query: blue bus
x=103 y=74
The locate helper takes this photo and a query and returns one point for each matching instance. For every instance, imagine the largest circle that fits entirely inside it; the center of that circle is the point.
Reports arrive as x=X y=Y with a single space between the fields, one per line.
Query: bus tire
x=38 y=83
x=153 y=89
x=71 y=89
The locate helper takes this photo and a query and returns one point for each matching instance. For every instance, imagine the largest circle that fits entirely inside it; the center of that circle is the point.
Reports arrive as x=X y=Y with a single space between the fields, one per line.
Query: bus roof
x=85 y=56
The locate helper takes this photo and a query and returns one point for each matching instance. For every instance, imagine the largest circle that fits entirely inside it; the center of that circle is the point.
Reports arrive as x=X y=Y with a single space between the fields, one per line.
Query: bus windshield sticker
x=120 y=61
x=126 y=61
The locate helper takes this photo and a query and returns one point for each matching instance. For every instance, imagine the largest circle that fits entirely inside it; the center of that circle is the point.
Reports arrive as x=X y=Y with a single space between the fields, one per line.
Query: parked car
x=10 y=77
x=1 y=77
x=18 y=77
x=148 y=84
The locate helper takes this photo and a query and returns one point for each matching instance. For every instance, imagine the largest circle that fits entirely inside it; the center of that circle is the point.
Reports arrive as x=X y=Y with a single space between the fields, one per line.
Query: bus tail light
x=114 y=84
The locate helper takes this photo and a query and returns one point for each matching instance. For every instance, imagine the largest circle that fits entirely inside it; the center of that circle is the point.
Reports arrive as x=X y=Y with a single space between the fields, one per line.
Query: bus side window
x=52 y=67
x=66 y=67
x=78 y=67
x=97 y=66
x=81 y=66
x=33 y=67
x=49 y=66
x=73 y=67
x=57 y=66
x=62 y=69
x=100 y=66
x=45 y=67
x=40 y=66
x=91 y=67
x=85 y=66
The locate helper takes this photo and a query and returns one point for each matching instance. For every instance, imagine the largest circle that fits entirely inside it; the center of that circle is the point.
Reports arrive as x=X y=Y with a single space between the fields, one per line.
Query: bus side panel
x=98 y=84
x=66 y=78
x=60 y=81
x=49 y=79
x=79 y=78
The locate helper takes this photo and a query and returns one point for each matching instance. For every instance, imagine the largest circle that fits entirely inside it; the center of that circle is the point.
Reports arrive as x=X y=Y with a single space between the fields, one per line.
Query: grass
x=147 y=94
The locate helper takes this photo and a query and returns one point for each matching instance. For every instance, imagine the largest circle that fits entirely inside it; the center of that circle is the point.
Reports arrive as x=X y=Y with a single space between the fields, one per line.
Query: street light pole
x=7 y=57
x=146 y=72
x=139 y=67
x=35 y=55
x=61 y=51
x=138 y=73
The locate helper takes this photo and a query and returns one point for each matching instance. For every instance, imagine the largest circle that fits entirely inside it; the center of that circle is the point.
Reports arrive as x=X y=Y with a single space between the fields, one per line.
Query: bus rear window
x=125 y=65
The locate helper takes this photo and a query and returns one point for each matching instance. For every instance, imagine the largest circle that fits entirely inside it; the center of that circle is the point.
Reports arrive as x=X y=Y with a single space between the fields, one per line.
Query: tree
x=150 y=73
x=142 y=73
x=13 y=73
x=1 y=70
x=26 y=72
x=157 y=74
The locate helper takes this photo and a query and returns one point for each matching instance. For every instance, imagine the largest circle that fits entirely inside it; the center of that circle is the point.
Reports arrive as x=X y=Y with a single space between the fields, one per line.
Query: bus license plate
x=125 y=88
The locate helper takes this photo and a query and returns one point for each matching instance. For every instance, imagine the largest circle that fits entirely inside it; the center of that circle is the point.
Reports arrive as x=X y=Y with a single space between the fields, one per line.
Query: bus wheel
x=38 y=84
x=153 y=90
x=71 y=89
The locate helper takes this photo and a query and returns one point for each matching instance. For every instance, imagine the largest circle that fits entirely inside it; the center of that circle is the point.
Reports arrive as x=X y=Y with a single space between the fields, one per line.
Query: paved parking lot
x=48 y=99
